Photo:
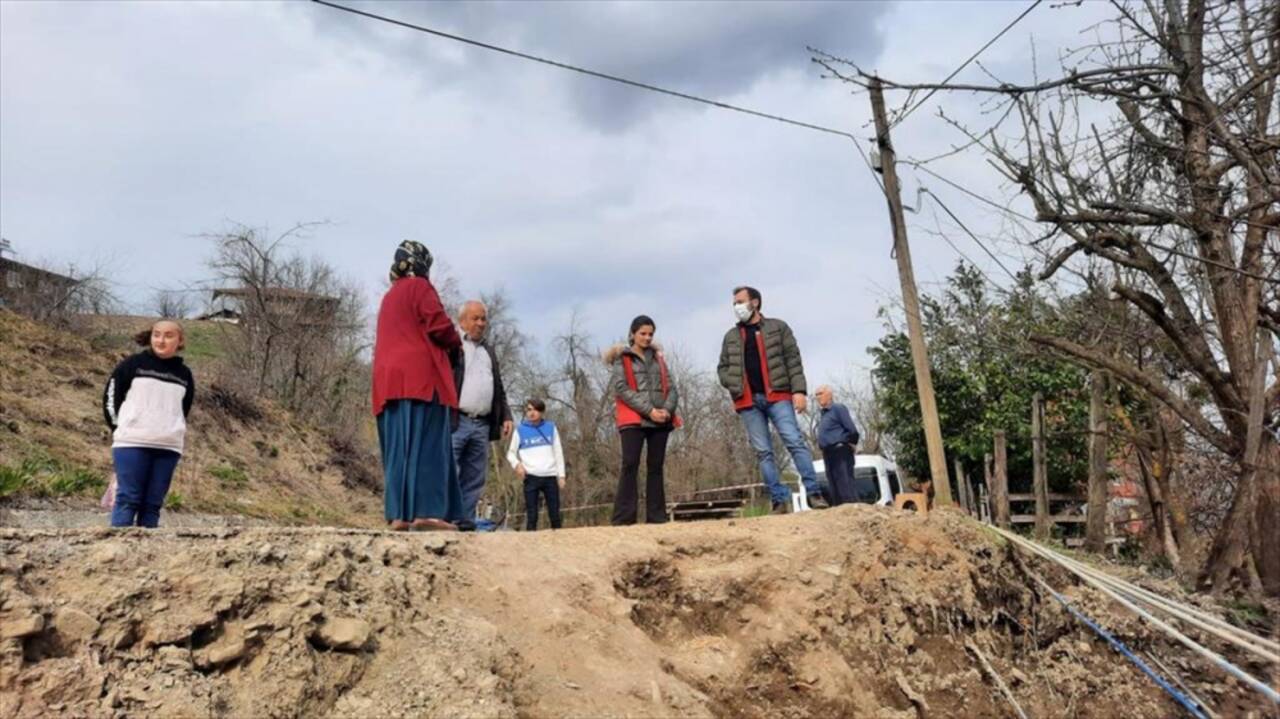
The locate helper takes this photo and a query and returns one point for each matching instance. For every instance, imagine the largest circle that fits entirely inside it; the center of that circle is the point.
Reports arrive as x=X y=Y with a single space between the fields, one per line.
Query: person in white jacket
x=536 y=456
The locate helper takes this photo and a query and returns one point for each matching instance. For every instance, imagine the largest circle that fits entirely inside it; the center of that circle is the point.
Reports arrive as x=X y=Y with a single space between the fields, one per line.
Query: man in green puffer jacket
x=760 y=366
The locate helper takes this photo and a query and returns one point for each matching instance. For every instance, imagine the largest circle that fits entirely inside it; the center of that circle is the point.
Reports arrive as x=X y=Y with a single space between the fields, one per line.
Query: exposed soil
x=856 y=611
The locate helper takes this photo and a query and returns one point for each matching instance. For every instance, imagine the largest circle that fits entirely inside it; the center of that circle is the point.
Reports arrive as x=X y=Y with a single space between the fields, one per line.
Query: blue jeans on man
x=143 y=475
x=471 y=454
x=783 y=416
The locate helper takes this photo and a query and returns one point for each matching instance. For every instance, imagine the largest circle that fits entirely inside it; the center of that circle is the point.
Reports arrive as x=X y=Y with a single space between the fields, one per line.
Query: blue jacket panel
x=540 y=435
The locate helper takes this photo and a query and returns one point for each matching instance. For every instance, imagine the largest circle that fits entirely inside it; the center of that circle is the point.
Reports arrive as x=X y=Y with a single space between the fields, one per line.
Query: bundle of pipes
x=1135 y=598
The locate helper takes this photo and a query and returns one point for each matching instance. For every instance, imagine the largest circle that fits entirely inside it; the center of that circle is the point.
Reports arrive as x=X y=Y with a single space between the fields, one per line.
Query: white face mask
x=743 y=311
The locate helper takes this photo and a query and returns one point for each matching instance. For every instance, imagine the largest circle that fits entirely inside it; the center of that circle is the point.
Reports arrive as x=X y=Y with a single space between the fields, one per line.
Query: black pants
x=839 y=468
x=655 y=493
x=550 y=488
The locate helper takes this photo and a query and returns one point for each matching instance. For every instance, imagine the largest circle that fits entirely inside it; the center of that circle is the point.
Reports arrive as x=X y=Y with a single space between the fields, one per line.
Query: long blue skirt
x=421 y=479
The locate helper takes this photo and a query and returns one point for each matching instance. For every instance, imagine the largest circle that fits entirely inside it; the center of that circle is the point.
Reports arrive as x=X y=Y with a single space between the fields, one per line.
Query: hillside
x=244 y=456
x=856 y=611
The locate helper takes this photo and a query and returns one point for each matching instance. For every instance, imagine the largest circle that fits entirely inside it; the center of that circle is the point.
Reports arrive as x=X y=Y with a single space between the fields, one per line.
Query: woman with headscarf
x=413 y=394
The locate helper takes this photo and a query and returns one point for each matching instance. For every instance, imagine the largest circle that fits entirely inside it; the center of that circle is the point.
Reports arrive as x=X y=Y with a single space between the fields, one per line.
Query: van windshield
x=866 y=485
x=893 y=483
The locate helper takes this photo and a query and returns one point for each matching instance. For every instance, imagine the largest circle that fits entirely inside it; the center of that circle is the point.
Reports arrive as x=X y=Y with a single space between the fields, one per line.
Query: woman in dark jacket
x=413 y=396
x=645 y=410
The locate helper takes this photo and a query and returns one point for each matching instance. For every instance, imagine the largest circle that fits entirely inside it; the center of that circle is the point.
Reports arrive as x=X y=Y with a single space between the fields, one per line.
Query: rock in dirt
x=228 y=648
x=343 y=633
x=75 y=625
x=21 y=625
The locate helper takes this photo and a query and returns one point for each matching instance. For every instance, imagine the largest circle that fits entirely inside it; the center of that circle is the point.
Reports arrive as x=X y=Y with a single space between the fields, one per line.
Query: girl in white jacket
x=536 y=456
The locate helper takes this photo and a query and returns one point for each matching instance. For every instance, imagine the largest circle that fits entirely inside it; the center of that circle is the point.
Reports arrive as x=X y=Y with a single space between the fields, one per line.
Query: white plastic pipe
x=1186 y=641
x=1242 y=638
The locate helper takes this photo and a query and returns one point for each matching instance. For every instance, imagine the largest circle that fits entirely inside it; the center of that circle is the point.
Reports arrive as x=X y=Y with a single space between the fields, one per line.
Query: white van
x=875 y=478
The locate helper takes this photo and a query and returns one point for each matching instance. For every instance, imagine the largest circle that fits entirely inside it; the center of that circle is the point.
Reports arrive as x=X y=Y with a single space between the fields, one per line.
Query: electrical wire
x=908 y=110
x=970 y=233
x=916 y=165
x=586 y=71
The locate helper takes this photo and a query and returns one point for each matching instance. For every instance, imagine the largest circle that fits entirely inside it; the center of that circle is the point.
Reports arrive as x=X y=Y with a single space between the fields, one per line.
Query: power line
x=727 y=106
x=1148 y=242
x=969 y=232
x=907 y=111
x=612 y=78
x=586 y=71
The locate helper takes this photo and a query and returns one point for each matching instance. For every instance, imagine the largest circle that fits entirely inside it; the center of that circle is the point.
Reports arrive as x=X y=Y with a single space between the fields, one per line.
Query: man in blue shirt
x=838 y=440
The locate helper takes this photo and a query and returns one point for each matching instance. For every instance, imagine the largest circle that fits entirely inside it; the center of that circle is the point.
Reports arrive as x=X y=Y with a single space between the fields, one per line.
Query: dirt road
x=856 y=611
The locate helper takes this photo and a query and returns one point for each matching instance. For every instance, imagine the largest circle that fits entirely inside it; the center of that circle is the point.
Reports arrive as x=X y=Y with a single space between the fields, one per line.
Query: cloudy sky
x=129 y=129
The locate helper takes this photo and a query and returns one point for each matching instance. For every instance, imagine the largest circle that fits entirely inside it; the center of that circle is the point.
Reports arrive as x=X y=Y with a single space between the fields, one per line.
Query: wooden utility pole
x=1095 y=532
x=1000 y=482
x=910 y=302
x=1039 y=475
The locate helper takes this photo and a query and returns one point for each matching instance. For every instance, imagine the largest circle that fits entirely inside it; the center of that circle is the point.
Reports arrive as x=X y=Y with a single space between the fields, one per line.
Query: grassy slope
x=54 y=443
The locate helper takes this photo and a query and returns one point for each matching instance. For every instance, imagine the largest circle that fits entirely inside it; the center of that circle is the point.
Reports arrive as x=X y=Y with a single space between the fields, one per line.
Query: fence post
x=1039 y=475
x=984 y=495
x=1000 y=486
x=1095 y=535
x=962 y=486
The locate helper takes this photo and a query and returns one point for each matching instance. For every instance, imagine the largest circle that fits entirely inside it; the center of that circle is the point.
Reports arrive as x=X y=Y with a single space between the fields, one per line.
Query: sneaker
x=778 y=508
x=817 y=502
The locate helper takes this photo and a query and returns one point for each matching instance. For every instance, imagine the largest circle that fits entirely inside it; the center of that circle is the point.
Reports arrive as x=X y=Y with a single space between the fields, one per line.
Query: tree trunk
x=1240 y=530
x=1179 y=523
x=1267 y=517
x=1150 y=470
x=1096 y=528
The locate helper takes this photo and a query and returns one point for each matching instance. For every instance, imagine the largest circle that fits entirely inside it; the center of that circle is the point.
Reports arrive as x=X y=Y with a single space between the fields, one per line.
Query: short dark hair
x=641 y=321
x=752 y=293
x=536 y=403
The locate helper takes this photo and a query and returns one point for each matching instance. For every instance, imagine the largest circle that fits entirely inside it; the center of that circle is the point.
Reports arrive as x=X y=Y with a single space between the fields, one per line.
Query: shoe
x=817 y=502
x=466 y=525
x=778 y=508
x=432 y=525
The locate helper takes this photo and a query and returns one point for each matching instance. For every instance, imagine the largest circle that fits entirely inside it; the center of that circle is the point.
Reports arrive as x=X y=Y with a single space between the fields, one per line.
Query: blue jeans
x=470 y=453
x=142 y=480
x=756 y=419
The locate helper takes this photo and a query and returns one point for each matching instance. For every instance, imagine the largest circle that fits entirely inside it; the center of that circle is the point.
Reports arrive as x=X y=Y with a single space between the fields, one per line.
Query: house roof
x=284 y=293
x=7 y=264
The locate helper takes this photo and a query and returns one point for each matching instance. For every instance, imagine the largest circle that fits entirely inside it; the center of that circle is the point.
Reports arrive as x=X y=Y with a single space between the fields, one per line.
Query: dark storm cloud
x=715 y=49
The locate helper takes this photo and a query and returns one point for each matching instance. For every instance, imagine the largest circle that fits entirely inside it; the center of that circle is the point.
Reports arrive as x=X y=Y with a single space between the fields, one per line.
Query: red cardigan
x=411 y=350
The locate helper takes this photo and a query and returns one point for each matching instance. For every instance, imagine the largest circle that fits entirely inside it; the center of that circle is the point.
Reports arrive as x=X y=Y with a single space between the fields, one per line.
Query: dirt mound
x=244 y=456
x=856 y=611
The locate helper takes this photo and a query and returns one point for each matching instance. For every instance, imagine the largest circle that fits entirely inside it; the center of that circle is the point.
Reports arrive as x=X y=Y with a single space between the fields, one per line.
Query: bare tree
x=172 y=304
x=301 y=332
x=1179 y=192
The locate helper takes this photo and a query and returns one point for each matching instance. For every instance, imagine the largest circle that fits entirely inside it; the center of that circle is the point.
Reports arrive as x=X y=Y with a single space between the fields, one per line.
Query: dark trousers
x=550 y=488
x=143 y=475
x=839 y=464
x=655 y=493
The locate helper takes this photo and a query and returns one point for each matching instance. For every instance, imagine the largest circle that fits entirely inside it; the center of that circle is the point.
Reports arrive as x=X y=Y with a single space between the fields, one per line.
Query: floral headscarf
x=412 y=260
